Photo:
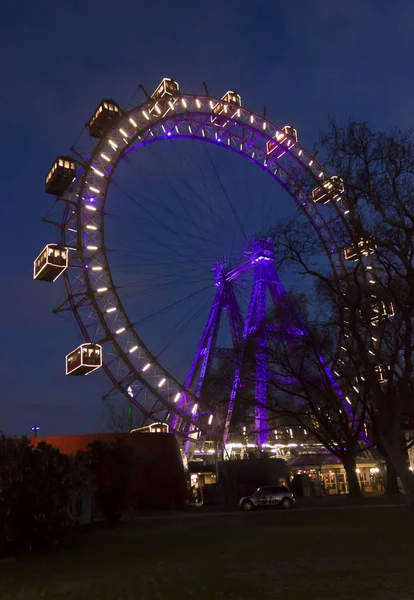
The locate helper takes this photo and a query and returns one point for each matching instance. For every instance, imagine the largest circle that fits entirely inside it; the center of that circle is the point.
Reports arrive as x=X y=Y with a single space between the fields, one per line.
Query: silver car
x=268 y=497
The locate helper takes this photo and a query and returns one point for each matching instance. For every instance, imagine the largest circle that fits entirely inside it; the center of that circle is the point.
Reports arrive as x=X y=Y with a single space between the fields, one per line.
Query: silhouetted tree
x=39 y=490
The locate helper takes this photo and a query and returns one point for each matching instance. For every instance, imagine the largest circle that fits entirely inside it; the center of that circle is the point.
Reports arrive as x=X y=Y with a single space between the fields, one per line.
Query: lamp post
x=35 y=429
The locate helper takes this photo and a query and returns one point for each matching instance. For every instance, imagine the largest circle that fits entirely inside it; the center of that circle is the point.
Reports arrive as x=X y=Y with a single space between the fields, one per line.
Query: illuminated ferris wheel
x=112 y=338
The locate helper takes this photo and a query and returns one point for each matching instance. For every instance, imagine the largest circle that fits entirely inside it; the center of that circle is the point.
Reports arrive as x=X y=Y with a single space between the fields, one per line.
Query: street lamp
x=35 y=429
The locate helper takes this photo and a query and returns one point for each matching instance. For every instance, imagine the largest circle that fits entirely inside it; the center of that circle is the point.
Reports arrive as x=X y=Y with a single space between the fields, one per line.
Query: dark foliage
x=39 y=489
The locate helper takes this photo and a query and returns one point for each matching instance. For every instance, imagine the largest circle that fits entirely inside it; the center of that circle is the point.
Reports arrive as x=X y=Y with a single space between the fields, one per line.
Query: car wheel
x=247 y=505
x=287 y=503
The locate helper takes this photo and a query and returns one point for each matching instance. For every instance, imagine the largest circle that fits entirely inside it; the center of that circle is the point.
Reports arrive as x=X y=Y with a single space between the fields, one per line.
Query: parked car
x=268 y=497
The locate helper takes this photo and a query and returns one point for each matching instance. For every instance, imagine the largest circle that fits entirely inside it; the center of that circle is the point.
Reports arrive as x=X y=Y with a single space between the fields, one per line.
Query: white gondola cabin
x=361 y=248
x=382 y=373
x=105 y=116
x=381 y=310
x=167 y=87
x=152 y=428
x=225 y=109
x=286 y=138
x=331 y=189
x=60 y=175
x=84 y=360
x=50 y=263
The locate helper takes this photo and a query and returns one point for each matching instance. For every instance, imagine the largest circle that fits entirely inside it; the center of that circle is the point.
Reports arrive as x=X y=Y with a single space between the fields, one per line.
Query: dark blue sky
x=303 y=60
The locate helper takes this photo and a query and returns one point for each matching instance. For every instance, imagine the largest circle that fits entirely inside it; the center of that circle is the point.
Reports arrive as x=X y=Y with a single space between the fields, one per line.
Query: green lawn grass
x=337 y=554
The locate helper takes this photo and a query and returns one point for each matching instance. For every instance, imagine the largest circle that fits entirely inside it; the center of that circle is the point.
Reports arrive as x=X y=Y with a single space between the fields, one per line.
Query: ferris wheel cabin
x=363 y=247
x=222 y=109
x=167 y=87
x=329 y=190
x=382 y=373
x=105 y=116
x=286 y=138
x=381 y=310
x=84 y=360
x=50 y=263
x=60 y=176
x=152 y=428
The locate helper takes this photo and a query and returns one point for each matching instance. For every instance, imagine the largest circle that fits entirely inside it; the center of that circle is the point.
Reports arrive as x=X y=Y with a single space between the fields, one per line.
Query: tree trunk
x=399 y=460
x=352 y=477
x=391 y=480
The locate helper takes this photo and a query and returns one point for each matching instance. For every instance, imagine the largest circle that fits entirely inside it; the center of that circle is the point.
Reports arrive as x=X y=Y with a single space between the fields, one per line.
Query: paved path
x=200 y=513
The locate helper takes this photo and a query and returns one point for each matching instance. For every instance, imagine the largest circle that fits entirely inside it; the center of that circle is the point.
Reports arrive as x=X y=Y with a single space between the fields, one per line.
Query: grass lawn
x=337 y=554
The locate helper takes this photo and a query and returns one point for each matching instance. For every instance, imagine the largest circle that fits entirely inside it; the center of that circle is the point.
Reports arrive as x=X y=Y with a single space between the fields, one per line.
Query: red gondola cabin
x=285 y=138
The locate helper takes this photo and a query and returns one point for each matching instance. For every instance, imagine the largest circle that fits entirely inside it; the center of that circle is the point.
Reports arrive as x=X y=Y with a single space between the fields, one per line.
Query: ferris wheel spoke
x=172 y=249
x=180 y=217
x=179 y=328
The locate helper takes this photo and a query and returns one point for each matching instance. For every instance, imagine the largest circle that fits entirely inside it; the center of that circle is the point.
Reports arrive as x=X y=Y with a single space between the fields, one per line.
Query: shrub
x=39 y=489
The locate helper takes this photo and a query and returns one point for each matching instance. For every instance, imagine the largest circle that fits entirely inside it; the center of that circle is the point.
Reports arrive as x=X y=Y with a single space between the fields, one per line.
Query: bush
x=39 y=489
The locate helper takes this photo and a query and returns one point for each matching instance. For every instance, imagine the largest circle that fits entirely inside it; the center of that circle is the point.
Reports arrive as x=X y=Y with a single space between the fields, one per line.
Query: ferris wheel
x=81 y=182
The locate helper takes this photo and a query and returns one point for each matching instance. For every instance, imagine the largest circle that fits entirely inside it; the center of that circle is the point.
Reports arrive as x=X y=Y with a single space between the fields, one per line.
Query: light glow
x=210 y=419
x=105 y=157
x=121 y=330
x=102 y=290
x=145 y=114
x=177 y=397
x=98 y=172
x=146 y=367
x=91 y=247
x=170 y=104
x=94 y=189
x=97 y=268
x=133 y=123
x=123 y=132
x=194 y=410
x=89 y=207
x=92 y=227
x=133 y=349
x=184 y=102
x=161 y=383
x=198 y=103
x=112 y=309
x=112 y=143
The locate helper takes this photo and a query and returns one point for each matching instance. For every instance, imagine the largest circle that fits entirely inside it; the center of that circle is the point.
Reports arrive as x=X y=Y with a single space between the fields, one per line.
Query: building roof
x=320 y=460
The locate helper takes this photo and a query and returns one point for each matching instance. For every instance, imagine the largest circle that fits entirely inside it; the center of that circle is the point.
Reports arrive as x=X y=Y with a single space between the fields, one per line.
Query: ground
x=342 y=553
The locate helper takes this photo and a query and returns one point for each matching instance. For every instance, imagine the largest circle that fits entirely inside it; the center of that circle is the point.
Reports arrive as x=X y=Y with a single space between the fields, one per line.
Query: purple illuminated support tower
x=260 y=259
x=268 y=294
x=225 y=299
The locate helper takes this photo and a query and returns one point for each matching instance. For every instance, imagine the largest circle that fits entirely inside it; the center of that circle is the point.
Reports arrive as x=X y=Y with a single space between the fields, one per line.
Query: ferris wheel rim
x=91 y=169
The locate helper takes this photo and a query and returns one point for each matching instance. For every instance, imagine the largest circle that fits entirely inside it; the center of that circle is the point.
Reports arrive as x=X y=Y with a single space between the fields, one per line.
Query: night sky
x=304 y=61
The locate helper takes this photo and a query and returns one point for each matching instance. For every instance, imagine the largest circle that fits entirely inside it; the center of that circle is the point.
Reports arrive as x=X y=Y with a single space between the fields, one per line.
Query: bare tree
x=117 y=419
x=371 y=312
